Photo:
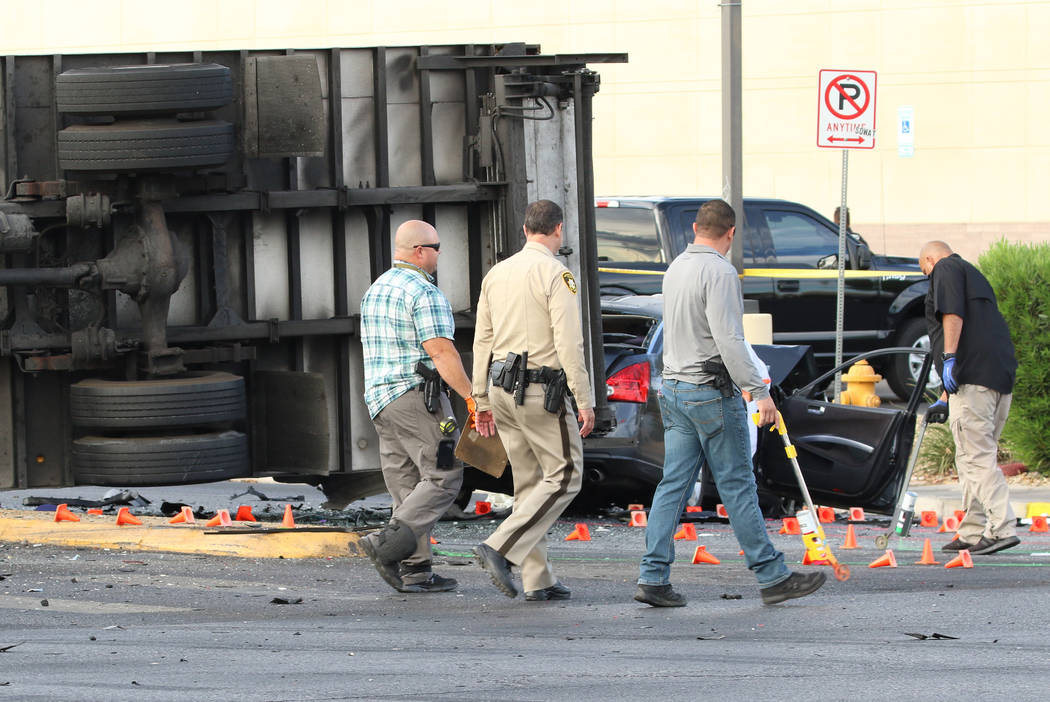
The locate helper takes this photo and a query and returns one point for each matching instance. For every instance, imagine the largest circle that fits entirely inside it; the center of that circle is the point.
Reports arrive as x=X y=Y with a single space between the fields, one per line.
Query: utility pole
x=732 y=144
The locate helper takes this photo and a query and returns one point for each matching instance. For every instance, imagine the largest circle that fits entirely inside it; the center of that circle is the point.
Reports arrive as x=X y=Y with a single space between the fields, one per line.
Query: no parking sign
x=846 y=109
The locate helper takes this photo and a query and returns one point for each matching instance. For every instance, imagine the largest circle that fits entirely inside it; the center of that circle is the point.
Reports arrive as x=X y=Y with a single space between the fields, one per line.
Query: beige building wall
x=976 y=73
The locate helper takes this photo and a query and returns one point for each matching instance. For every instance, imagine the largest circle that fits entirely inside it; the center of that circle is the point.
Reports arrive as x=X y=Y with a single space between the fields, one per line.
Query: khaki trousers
x=976 y=415
x=546 y=460
x=421 y=492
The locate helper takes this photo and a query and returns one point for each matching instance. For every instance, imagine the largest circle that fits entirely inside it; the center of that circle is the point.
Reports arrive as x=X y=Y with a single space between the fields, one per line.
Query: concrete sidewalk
x=947 y=497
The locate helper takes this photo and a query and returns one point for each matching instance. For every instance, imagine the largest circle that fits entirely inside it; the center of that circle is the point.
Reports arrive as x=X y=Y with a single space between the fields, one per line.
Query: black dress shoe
x=796 y=585
x=497 y=567
x=557 y=591
x=659 y=596
x=986 y=545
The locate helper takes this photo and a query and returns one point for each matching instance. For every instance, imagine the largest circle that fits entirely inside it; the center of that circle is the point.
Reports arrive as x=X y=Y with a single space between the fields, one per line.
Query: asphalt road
x=131 y=625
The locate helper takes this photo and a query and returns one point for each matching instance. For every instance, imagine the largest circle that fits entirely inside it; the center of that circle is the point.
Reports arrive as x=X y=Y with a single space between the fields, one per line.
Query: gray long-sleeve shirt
x=704 y=320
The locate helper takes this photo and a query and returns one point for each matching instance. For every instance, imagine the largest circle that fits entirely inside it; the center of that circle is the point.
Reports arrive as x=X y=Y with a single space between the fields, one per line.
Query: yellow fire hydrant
x=860 y=386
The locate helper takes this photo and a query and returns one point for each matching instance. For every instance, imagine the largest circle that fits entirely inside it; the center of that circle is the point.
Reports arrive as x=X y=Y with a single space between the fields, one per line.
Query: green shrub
x=937 y=453
x=1020 y=276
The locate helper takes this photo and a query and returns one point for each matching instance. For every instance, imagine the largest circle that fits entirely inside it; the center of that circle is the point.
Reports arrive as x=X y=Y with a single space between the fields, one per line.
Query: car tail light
x=607 y=203
x=630 y=384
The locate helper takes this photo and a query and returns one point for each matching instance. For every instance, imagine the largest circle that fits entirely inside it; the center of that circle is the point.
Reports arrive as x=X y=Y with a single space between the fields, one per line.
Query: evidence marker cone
x=790 y=526
x=185 y=516
x=702 y=556
x=635 y=508
x=929 y=518
x=288 y=521
x=886 y=560
x=720 y=510
x=856 y=514
x=580 y=533
x=927 y=554
x=825 y=515
x=851 y=538
x=221 y=518
x=62 y=514
x=693 y=508
x=124 y=516
x=244 y=514
x=1038 y=525
x=686 y=533
x=638 y=519
x=960 y=514
x=96 y=511
x=963 y=560
x=808 y=559
x=482 y=507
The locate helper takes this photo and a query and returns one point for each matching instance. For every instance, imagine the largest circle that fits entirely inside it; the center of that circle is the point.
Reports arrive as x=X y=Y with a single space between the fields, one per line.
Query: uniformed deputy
x=528 y=348
x=406 y=333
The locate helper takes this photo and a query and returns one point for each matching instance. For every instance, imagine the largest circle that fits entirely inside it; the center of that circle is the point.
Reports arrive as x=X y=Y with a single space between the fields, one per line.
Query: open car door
x=850 y=456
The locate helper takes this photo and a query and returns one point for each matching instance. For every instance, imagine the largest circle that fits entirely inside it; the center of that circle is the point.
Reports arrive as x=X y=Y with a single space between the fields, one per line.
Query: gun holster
x=554 y=396
x=721 y=378
x=431 y=387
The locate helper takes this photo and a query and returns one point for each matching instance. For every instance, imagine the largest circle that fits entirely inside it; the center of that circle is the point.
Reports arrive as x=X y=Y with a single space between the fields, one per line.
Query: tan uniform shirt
x=528 y=303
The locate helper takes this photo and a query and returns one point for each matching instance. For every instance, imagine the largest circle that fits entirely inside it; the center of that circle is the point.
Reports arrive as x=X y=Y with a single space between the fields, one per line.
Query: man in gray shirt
x=706 y=364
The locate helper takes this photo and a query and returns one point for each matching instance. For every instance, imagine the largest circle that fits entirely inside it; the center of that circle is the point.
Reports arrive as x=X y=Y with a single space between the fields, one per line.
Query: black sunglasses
x=436 y=247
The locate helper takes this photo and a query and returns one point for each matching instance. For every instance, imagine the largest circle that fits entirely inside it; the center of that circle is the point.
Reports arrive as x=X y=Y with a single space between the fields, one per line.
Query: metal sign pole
x=841 y=291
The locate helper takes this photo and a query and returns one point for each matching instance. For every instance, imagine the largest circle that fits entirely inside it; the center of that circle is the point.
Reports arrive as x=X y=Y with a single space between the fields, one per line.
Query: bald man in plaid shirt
x=406 y=319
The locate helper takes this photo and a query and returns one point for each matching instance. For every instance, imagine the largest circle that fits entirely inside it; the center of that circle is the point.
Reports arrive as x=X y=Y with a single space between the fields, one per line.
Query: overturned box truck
x=186 y=238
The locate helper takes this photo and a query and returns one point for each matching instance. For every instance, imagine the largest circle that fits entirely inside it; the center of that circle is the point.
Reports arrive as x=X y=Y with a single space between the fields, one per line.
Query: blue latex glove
x=937 y=413
x=948 y=376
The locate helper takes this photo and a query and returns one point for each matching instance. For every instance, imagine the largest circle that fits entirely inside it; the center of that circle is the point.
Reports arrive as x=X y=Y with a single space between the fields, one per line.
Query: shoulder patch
x=570 y=282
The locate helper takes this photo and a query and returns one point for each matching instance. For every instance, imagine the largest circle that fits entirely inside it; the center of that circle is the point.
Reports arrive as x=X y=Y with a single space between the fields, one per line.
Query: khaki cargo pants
x=421 y=492
x=976 y=415
x=546 y=460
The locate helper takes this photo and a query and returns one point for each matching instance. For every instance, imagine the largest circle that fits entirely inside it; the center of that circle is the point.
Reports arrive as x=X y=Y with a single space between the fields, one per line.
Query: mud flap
x=290 y=432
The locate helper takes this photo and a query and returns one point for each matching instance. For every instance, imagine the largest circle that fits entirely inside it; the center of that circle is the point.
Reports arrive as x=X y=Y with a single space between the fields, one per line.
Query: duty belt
x=535 y=375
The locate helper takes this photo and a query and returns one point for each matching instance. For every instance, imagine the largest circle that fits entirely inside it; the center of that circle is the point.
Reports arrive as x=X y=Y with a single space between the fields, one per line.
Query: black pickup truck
x=790 y=260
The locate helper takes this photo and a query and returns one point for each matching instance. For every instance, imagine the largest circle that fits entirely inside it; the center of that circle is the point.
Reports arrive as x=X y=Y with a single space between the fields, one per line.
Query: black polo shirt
x=985 y=355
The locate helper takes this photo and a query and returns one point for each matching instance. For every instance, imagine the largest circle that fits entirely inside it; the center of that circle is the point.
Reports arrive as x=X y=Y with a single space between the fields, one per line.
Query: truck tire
x=902 y=370
x=143 y=90
x=160 y=460
x=145 y=145
x=199 y=399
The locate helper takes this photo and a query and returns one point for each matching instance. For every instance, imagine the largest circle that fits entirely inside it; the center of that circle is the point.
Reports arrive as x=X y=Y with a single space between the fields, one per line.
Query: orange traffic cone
x=62 y=514
x=810 y=560
x=963 y=560
x=851 y=538
x=95 y=510
x=244 y=514
x=960 y=514
x=686 y=533
x=702 y=556
x=929 y=518
x=289 y=520
x=694 y=508
x=433 y=541
x=221 y=518
x=886 y=560
x=635 y=508
x=790 y=526
x=856 y=514
x=950 y=524
x=482 y=507
x=825 y=515
x=927 y=554
x=720 y=510
x=185 y=516
x=638 y=519
x=580 y=533
x=1038 y=525
x=124 y=516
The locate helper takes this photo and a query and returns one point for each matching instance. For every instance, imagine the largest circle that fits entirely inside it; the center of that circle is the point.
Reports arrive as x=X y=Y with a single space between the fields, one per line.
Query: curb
x=156 y=534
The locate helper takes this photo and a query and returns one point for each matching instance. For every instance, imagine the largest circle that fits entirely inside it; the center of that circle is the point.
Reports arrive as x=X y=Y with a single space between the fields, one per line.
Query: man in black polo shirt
x=978 y=369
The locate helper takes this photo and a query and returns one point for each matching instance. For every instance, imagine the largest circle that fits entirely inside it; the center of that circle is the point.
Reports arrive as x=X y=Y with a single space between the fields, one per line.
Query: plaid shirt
x=402 y=309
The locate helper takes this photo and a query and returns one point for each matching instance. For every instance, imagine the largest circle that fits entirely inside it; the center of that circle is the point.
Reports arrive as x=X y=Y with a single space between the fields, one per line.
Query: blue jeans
x=699 y=425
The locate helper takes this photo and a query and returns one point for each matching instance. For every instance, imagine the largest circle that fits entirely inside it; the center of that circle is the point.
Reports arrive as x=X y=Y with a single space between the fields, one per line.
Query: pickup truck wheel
x=904 y=369
x=145 y=145
x=143 y=90
x=160 y=460
x=199 y=399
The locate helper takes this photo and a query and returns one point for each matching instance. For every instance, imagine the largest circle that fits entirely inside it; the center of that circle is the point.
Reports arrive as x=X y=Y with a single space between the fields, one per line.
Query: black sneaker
x=958 y=545
x=659 y=596
x=435 y=583
x=498 y=568
x=986 y=545
x=796 y=585
x=557 y=591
